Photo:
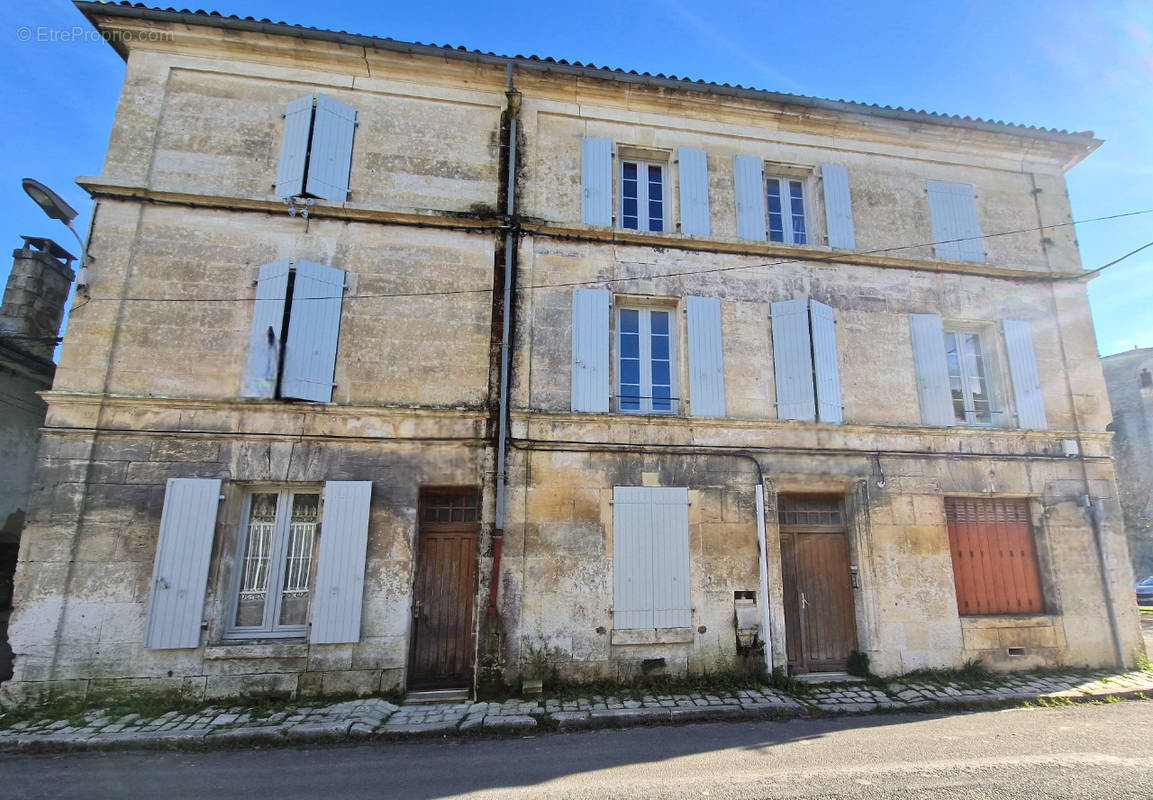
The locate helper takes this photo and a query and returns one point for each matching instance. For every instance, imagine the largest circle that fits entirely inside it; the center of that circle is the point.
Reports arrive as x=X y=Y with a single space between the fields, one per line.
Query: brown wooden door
x=820 y=622
x=444 y=588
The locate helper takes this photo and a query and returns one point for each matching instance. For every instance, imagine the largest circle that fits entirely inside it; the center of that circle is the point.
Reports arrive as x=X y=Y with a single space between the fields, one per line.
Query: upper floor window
x=968 y=378
x=953 y=213
x=786 y=208
x=316 y=151
x=642 y=186
x=645 y=361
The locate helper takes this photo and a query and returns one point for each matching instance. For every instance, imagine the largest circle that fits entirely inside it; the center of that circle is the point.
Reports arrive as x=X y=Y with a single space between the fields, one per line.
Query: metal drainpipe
x=502 y=424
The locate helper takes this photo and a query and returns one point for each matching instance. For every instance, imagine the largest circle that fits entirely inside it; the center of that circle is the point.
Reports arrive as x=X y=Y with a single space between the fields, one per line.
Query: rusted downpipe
x=502 y=424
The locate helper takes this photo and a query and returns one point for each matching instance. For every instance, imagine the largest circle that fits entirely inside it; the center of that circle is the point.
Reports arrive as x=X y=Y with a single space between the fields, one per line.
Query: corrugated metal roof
x=547 y=63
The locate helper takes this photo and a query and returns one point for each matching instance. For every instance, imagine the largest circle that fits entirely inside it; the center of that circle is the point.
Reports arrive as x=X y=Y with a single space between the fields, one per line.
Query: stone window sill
x=652 y=636
x=256 y=650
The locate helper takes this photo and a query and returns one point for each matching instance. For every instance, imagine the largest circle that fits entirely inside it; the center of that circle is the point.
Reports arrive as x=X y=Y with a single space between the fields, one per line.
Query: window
x=295 y=329
x=642 y=195
x=277 y=548
x=786 y=207
x=968 y=381
x=994 y=559
x=651 y=557
x=807 y=376
x=953 y=211
x=645 y=361
x=316 y=151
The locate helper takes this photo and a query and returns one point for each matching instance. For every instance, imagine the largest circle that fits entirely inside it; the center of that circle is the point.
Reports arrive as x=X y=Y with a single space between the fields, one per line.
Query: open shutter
x=313 y=330
x=932 y=370
x=264 y=337
x=596 y=181
x=749 y=182
x=953 y=209
x=330 y=155
x=180 y=572
x=693 y=167
x=632 y=558
x=1026 y=381
x=340 y=562
x=294 y=147
x=706 y=357
x=672 y=607
x=793 y=360
x=838 y=208
x=590 y=350
x=827 y=373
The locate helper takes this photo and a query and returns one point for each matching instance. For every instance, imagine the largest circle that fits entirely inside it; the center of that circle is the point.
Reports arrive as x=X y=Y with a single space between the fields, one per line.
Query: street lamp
x=54 y=206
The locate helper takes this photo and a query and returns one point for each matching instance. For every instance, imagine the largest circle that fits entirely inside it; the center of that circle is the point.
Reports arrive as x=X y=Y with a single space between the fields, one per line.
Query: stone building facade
x=773 y=392
x=1129 y=380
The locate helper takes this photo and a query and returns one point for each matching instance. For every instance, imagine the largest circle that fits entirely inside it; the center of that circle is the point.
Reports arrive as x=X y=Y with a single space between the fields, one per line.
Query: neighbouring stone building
x=774 y=391
x=1129 y=380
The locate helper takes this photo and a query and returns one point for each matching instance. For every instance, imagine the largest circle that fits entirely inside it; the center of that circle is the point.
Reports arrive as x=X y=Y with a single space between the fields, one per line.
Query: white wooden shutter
x=590 y=350
x=693 y=167
x=180 y=572
x=749 y=183
x=339 y=594
x=264 y=336
x=313 y=331
x=838 y=208
x=706 y=357
x=596 y=181
x=294 y=147
x=793 y=360
x=330 y=155
x=651 y=557
x=932 y=370
x=825 y=369
x=953 y=209
x=1023 y=370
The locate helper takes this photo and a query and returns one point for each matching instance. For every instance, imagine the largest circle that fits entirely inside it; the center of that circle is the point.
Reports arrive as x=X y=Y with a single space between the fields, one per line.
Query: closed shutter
x=180 y=572
x=693 y=166
x=330 y=155
x=826 y=371
x=994 y=559
x=294 y=147
x=706 y=357
x=793 y=360
x=651 y=557
x=1026 y=381
x=264 y=337
x=749 y=183
x=590 y=350
x=596 y=181
x=313 y=331
x=838 y=208
x=953 y=209
x=340 y=562
x=932 y=370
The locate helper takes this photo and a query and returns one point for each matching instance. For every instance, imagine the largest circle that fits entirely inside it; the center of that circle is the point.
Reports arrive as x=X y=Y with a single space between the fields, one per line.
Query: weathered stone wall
x=1132 y=404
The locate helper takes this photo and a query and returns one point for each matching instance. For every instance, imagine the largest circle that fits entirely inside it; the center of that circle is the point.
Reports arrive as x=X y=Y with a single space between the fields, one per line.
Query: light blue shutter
x=706 y=357
x=672 y=606
x=693 y=166
x=632 y=558
x=953 y=210
x=596 y=181
x=180 y=572
x=313 y=330
x=264 y=336
x=825 y=368
x=330 y=156
x=749 y=182
x=793 y=360
x=590 y=350
x=838 y=207
x=294 y=147
x=1026 y=381
x=932 y=370
x=340 y=561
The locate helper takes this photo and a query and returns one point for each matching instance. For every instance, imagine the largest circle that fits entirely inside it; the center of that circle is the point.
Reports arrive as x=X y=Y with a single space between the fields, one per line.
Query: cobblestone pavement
x=376 y=718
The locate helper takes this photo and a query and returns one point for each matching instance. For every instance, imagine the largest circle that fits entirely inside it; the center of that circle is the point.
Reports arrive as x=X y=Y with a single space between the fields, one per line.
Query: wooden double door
x=444 y=591
x=820 y=619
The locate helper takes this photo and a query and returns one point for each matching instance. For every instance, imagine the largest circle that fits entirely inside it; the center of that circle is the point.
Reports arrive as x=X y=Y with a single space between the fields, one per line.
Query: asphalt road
x=1100 y=751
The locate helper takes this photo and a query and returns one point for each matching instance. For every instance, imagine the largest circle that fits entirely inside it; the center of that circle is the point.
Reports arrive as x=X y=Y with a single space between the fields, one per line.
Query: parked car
x=1145 y=592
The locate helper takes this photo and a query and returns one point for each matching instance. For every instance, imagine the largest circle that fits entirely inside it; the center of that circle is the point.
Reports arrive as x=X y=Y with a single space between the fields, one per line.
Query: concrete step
x=436 y=696
x=828 y=677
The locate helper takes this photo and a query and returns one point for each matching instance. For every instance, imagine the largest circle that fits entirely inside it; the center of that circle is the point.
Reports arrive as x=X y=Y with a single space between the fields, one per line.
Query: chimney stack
x=34 y=298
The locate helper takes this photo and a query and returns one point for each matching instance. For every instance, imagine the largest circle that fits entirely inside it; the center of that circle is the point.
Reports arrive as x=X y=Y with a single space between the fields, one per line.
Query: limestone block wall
x=1131 y=402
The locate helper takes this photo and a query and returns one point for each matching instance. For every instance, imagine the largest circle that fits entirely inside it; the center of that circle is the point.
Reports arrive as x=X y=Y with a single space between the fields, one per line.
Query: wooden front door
x=444 y=589
x=820 y=622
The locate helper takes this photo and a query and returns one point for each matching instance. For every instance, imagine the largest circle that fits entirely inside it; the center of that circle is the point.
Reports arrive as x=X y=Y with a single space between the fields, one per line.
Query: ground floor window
x=651 y=557
x=994 y=559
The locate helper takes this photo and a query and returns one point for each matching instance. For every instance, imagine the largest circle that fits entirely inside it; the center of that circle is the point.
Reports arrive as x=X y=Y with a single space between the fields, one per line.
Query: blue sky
x=1072 y=64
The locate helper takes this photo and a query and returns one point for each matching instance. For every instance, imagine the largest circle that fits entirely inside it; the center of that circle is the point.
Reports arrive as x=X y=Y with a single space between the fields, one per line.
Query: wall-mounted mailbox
x=748 y=620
